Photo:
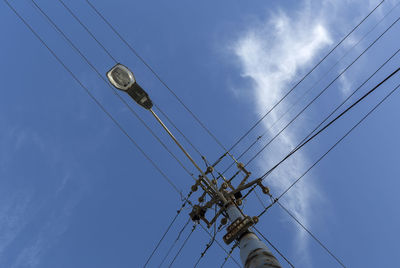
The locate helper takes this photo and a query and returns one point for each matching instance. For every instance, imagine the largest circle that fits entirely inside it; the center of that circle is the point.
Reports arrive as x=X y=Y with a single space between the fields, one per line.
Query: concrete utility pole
x=253 y=252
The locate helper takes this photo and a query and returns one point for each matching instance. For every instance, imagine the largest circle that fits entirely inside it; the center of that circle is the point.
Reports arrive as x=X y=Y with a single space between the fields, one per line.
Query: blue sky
x=74 y=192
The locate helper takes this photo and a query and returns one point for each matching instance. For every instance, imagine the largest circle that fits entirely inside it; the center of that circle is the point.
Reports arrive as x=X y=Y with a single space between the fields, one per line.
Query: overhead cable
x=168 y=228
x=320 y=93
x=348 y=97
x=114 y=90
x=274 y=247
x=115 y=61
x=94 y=99
x=183 y=245
x=159 y=78
x=304 y=77
x=174 y=243
x=312 y=235
x=302 y=226
x=307 y=91
x=330 y=149
x=219 y=244
x=330 y=123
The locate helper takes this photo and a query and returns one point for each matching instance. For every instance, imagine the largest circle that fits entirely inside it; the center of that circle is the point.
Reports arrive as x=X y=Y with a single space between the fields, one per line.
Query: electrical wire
x=162 y=238
x=174 y=243
x=311 y=234
x=330 y=123
x=94 y=98
x=209 y=244
x=219 y=244
x=313 y=86
x=159 y=78
x=302 y=226
x=272 y=245
x=87 y=30
x=183 y=245
x=229 y=254
x=115 y=61
x=304 y=77
x=180 y=132
x=296 y=103
x=168 y=119
x=168 y=228
x=114 y=90
x=348 y=97
x=327 y=117
x=331 y=148
x=320 y=93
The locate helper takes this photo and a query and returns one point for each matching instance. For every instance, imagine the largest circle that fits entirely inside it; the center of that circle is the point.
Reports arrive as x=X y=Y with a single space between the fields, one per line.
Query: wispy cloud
x=273 y=55
x=31 y=221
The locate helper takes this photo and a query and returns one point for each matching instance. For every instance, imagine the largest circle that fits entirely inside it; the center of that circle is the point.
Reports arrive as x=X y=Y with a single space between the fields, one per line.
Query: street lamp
x=123 y=79
x=253 y=252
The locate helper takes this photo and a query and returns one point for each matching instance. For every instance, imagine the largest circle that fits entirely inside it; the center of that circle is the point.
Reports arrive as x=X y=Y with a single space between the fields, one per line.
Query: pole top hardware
x=237 y=228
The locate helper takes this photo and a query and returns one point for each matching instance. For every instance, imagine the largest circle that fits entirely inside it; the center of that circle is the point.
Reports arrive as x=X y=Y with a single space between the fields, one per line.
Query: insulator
x=255 y=219
x=194 y=188
x=265 y=190
x=224 y=221
x=209 y=169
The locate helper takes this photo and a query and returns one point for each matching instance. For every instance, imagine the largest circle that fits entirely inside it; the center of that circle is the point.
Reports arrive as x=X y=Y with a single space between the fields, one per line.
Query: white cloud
x=274 y=55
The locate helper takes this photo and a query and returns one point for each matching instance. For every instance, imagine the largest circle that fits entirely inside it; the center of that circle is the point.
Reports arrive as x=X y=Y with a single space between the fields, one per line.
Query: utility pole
x=253 y=252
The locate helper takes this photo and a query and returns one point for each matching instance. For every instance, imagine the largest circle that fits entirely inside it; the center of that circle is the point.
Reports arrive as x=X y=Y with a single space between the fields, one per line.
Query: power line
x=183 y=245
x=209 y=244
x=331 y=148
x=311 y=234
x=272 y=245
x=320 y=93
x=114 y=91
x=330 y=123
x=158 y=77
x=302 y=226
x=348 y=97
x=219 y=244
x=87 y=30
x=171 y=122
x=94 y=98
x=229 y=254
x=168 y=228
x=305 y=93
x=174 y=243
x=115 y=61
x=304 y=77
x=180 y=132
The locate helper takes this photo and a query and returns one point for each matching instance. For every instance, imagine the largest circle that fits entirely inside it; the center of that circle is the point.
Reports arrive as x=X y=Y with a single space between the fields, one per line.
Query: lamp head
x=121 y=77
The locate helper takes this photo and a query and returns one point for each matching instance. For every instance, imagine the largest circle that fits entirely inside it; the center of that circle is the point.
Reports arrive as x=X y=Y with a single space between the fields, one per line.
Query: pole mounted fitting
x=194 y=188
x=209 y=169
x=264 y=189
x=237 y=228
x=224 y=221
